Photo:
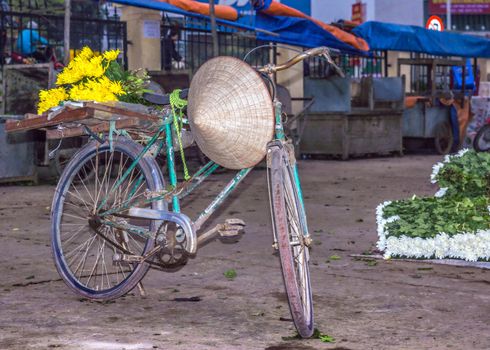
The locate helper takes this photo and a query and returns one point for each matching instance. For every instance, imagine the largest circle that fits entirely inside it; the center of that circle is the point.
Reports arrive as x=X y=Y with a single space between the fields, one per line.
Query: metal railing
x=20 y=31
x=374 y=65
x=189 y=46
x=420 y=75
x=192 y=46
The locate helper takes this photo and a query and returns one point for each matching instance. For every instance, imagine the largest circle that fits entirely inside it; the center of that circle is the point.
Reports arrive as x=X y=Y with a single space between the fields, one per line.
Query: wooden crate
x=74 y=121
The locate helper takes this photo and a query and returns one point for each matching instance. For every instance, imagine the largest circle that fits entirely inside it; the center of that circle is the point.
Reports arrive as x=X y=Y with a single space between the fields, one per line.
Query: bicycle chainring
x=172 y=239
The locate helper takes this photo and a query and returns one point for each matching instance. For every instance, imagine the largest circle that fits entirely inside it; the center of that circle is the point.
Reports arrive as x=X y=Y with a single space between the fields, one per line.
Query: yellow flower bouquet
x=92 y=77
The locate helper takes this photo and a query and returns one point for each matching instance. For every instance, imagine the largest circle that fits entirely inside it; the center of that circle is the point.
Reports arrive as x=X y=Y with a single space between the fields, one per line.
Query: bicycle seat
x=159 y=99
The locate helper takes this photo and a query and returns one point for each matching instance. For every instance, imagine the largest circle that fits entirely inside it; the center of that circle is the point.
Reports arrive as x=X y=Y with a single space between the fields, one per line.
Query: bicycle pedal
x=233 y=221
x=232 y=228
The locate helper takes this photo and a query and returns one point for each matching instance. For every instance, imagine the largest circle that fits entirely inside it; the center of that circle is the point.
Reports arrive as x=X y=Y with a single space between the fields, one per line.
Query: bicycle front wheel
x=85 y=249
x=289 y=225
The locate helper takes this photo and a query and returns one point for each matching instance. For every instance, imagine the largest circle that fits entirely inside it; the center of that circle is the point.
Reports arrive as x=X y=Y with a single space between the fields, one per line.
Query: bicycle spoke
x=84 y=259
x=106 y=170
x=83 y=184
x=79 y=196
x=75 y=216
x=94 y=269
x=75 y=233
x=135 y=242
x=87 y=243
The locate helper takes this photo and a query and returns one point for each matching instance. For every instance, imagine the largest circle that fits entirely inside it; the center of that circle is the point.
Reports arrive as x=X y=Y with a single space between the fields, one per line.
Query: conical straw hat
x=230 y=113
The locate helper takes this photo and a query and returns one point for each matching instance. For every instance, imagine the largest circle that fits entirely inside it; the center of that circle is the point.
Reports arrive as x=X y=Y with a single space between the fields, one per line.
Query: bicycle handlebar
x=317 y=51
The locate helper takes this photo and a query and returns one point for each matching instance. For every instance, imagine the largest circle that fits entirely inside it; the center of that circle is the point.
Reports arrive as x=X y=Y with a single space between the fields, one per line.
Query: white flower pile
x=467 y=246
x=382 y=231
x=437 y=167
x=441 y=192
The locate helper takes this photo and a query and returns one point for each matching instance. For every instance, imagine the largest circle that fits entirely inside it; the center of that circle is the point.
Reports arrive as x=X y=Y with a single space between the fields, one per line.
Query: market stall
x=437 y=107
x=352 y=118
x=428 y=112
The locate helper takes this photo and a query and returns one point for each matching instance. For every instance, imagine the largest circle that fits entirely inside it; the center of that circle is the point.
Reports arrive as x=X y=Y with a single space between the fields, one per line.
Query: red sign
x=438 y=7
x=358 y=12
x=434 y=23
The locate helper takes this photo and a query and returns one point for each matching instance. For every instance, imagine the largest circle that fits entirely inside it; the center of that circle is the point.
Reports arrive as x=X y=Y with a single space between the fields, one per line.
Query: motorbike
x=481 y=142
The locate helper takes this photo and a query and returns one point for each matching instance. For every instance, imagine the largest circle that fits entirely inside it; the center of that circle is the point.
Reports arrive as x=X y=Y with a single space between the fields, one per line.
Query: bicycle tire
x=443 y=139
x=64 y=201
x=289 y=224
x=481 y=137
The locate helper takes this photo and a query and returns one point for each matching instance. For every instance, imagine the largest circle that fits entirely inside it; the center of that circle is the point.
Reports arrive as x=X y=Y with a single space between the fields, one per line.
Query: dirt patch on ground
x=387 y=305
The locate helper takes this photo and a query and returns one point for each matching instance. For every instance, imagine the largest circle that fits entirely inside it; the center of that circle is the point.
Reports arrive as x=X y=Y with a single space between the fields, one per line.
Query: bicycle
x=111 y=220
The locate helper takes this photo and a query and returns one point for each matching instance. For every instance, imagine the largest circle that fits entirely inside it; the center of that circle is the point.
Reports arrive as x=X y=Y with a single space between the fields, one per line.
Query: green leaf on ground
x=334 y=257
x=230 y=274
x=323 y=337
x=316 y=335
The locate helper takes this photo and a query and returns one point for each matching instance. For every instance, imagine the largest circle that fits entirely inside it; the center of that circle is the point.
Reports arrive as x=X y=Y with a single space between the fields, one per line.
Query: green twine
x=177 y=104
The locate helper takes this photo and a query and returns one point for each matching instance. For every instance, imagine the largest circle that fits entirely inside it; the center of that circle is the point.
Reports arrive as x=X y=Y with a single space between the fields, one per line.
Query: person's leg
x=167 y=54
x=455 y=128
x=3 y=41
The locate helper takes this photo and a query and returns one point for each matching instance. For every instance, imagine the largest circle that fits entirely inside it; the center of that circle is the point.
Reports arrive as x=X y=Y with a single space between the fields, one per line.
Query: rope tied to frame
x=177 y=105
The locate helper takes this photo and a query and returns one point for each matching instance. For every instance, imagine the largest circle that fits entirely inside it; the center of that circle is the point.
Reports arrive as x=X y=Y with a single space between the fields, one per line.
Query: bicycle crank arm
x=180 y=219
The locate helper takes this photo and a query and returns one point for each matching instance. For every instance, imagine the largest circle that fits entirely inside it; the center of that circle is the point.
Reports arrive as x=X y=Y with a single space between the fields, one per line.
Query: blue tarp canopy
x=299 y=32
x=289 y=30
x=395 y=37
x=163 y=6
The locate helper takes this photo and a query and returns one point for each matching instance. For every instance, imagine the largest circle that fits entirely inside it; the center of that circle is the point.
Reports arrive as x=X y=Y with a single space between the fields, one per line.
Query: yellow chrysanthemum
x=94 y=67
x=85 y=54
x=100 y=90
x=113 y=86
x=50 y=98
x=70 y=75
x=111 y=55
x=85 y=64
x=116 y=88
x=73 y=73
x=86 y=75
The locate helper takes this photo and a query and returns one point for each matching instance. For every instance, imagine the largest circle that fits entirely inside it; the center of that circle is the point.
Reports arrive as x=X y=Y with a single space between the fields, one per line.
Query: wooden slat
x=68 y=115
x=102 y=126
x=121 y=111
x=84 y=115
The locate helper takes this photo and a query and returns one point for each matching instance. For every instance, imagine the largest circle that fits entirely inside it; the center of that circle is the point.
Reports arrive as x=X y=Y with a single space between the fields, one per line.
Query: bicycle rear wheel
x=289 y=225
x=84 y=249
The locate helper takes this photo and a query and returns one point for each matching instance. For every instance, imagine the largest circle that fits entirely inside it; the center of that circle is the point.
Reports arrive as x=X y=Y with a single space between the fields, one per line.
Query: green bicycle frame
x=280 y=135
x=203 y=173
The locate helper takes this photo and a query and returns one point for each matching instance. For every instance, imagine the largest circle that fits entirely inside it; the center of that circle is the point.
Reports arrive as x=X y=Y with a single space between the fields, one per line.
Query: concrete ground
x=362 y=304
